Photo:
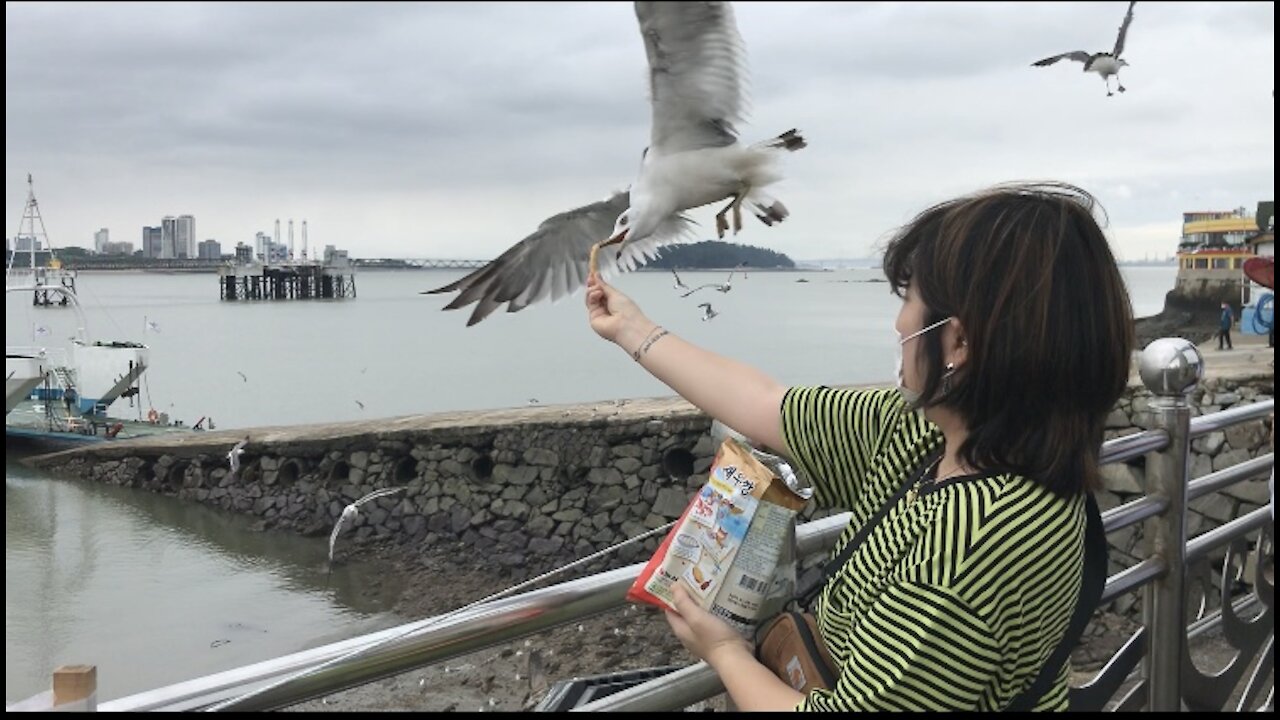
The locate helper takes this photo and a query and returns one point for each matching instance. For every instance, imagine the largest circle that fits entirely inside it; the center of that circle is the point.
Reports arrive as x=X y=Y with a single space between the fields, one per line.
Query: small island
x=718 y=255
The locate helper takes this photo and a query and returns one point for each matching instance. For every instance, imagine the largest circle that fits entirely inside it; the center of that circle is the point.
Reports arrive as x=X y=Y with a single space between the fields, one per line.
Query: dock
x=332 y=278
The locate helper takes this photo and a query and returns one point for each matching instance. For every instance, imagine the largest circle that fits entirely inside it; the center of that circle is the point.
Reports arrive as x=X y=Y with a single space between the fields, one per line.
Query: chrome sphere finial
x=1171 y=366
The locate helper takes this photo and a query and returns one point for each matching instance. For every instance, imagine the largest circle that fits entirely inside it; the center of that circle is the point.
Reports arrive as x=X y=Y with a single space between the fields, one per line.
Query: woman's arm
x=738 y=395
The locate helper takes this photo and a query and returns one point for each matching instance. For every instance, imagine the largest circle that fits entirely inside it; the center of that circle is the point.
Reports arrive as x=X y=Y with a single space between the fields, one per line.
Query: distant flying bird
x=697 y=84
x=242 y=376
x=153 y=326
x=679 y=283
x=349 y=515
x=360 y=404
x=233 y=457
x=533 y=401
x=723 y=287
x=1105 y=64
x=41 y=330
x=707 y=312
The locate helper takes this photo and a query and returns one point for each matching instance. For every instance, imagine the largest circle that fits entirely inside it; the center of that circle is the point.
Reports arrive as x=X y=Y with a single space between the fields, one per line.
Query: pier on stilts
x=333 y=277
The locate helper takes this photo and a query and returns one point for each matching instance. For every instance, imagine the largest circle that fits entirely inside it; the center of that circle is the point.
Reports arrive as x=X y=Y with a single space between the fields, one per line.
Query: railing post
x=1171 y=368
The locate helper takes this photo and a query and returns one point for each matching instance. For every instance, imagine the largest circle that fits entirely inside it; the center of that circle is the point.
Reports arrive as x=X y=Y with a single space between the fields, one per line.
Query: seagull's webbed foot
x=737 y=215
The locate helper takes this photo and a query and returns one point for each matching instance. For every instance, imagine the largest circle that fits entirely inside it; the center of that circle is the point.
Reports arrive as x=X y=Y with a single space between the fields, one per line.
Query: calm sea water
x=156 y=591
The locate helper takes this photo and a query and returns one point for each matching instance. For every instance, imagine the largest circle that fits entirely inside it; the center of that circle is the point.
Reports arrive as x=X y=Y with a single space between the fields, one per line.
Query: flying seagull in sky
x=679 y=283
x=697 y=93
x=723 y=287
x=233 y=457
x=707 y=312
x=1105 y=64
x=349 y=515
x=242 y=376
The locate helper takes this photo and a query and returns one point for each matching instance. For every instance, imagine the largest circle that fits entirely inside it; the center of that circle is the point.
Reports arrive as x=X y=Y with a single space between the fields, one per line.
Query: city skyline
x=425 y=130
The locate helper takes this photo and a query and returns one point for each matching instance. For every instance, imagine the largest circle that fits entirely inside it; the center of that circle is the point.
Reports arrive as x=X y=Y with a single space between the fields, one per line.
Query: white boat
x=23 y=371
x=99 y=372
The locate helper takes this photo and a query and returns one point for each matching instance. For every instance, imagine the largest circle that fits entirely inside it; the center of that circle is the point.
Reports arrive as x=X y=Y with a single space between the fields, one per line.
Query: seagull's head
x=622 y=226
x=635 y=223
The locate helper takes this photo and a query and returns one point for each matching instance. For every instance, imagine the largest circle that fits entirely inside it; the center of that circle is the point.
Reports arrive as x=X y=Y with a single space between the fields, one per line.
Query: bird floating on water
x=348 y=518
x=697 y=83
x=1105 y=64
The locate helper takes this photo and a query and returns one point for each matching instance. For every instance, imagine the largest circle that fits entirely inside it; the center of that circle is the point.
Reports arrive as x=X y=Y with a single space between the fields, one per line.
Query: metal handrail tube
x=1229 y=476
x=1131 y=578
x=1199 y=546
x=423 y=642
x=1206 y=424
x=426 y=641
x=672 y=691
x=1133 y=446
x=1132 y=513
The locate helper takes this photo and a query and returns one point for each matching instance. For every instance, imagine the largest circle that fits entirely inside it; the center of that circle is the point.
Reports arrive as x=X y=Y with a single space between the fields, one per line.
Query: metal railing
x=1170 y=368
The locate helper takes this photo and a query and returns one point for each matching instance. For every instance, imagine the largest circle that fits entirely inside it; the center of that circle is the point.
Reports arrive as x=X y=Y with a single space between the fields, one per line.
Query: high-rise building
x=169 y=237
x=185 y=237
x=100 y=240
x=261 y=245
x=152 y=242
x=210 y=250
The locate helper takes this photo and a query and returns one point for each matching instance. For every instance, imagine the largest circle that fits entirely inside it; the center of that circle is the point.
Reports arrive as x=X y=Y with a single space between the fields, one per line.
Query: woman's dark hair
x=1027 y=271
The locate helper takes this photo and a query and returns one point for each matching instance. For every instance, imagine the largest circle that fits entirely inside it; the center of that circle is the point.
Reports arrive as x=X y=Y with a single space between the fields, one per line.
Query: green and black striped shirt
x=953 y=602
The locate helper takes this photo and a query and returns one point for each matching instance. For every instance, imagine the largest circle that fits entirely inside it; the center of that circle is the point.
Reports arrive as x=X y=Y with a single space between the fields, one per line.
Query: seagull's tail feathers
x=790 y=141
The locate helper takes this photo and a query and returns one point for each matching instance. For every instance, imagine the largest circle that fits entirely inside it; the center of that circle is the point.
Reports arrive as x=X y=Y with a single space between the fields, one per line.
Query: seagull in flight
x=360 y=404
x=349 y=515
x=233 y=457
x=242 y=376
x=707 y=312
x=697 y=93
x=723 y=287
x=1105 y=64
x=679 y=283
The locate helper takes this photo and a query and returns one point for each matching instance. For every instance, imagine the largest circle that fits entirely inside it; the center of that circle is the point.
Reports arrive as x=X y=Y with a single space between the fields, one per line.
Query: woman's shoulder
x=1008 y=514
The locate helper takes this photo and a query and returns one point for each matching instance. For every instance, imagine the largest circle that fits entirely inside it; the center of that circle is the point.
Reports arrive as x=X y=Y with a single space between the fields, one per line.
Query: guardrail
x=1156 y=656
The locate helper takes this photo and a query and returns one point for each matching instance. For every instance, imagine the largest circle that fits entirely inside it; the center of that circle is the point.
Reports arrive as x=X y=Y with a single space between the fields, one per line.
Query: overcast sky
x=452 y=130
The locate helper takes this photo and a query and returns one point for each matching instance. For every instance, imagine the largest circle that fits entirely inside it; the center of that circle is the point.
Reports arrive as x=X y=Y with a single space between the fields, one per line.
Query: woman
x=1015 y=336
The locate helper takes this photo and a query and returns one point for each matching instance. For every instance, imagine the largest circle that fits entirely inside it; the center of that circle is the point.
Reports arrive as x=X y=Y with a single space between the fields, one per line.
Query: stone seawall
x=533 y=488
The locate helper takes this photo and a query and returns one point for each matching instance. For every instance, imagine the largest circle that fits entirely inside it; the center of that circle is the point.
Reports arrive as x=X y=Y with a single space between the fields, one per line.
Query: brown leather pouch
x=791 y=646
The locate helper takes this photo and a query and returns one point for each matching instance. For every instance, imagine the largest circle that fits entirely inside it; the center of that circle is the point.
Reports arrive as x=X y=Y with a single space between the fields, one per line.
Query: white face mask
x=909 y=395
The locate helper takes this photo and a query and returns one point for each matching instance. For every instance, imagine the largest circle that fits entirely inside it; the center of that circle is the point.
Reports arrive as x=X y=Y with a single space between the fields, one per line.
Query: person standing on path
x=1224 y=326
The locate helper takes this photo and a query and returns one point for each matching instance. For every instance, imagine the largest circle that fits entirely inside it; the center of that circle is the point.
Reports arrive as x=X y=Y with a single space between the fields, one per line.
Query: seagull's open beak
x=617 y=238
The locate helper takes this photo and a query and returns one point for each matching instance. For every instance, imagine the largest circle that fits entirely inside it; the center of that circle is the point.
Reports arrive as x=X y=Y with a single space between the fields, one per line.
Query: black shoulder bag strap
x=808 y=587
x=1092 y=581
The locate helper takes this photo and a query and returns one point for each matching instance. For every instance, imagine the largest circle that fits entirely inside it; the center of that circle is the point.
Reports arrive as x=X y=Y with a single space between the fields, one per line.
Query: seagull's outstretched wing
x=377 y=494
x=697 y=74
x=552 y=261
x=1124 y=30
x=239 y=447
x=701 y=287
x=333 y=536
x=679 y=282
x=1079 y=56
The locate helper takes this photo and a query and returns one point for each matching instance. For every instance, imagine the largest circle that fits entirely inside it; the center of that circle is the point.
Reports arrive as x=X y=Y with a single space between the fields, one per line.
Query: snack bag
x=728 y=542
